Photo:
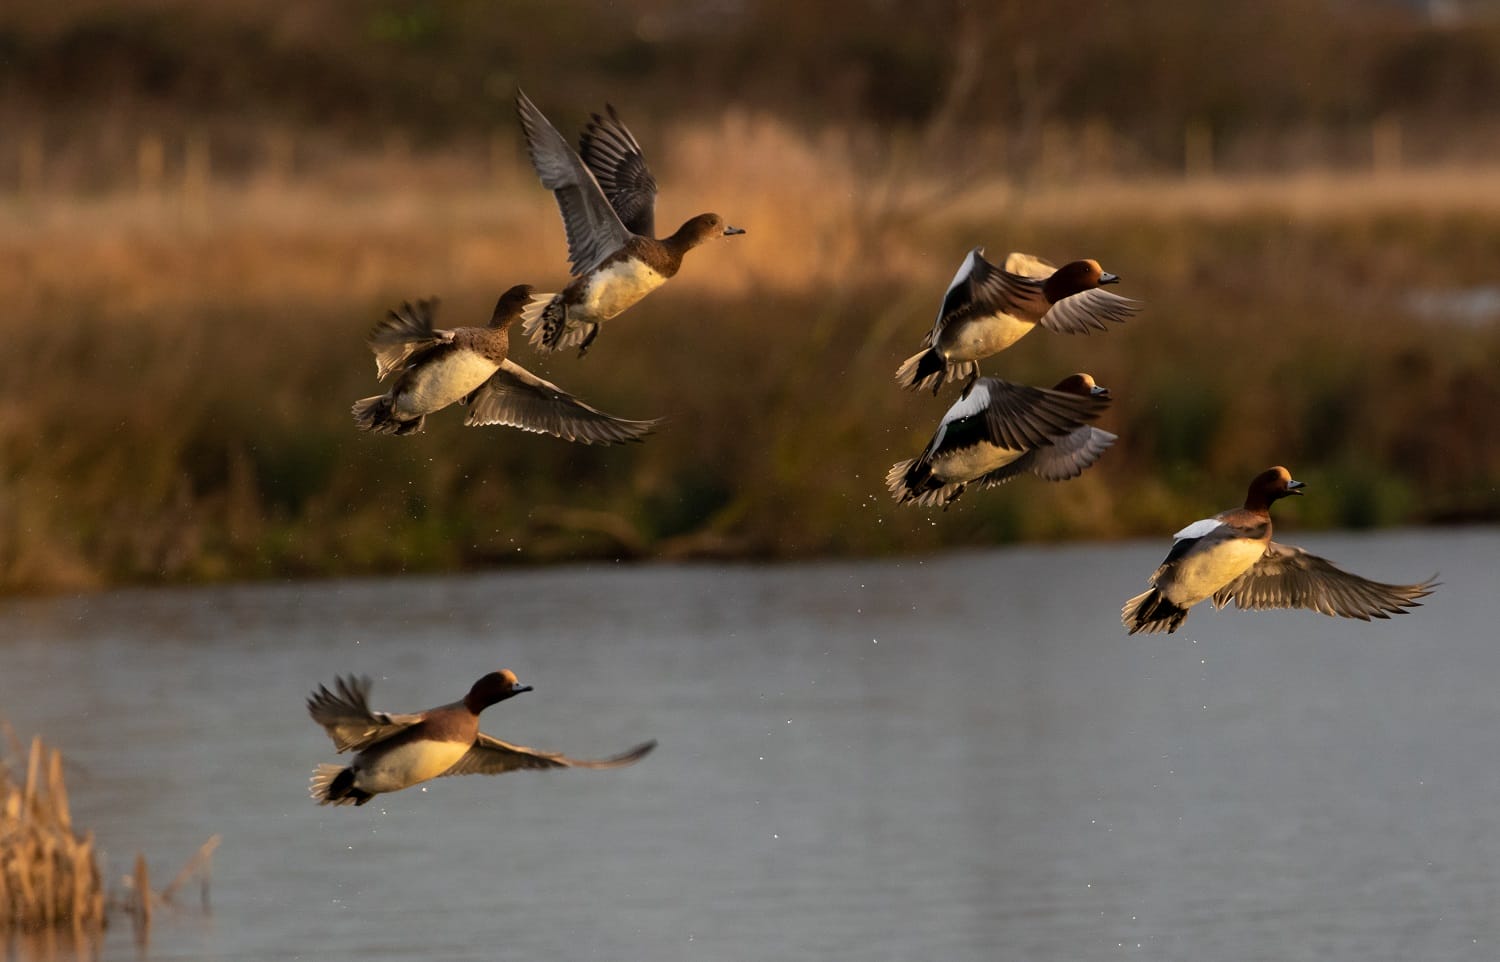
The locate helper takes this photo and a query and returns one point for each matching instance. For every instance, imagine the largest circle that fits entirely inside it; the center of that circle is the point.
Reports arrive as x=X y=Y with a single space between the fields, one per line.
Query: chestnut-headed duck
x=398 y=751
x=469 y=365
x=1231 y=557
x=989 y=308
x=997 y=430
x=608 y=215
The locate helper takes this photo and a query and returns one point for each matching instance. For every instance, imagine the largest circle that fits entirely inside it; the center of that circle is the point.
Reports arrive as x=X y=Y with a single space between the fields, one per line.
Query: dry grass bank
x=182 y=361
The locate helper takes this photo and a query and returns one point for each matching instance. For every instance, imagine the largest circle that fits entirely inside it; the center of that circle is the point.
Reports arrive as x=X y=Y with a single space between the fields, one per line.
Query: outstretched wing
x=615 y=159
x=1066 y=458
x=1289 y=577
x=515 y=397
x=491 y=756
x=1086 y=312
x=402 y=333
x=345 y=714
x=594 y=229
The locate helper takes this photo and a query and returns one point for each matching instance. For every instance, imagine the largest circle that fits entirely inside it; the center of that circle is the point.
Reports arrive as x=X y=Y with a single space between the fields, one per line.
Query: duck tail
x=374 y=414
x=921 y=371
x=898 y=479
x=911 y=482
x=334 y=785
x=1151 y=612
x=543 y=320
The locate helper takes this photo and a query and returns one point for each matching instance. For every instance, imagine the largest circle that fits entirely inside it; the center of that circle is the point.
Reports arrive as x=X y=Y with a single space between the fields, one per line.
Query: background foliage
x=204 y=206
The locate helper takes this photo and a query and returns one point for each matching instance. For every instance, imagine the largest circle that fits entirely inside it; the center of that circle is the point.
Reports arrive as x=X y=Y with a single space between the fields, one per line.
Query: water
x=952 y=758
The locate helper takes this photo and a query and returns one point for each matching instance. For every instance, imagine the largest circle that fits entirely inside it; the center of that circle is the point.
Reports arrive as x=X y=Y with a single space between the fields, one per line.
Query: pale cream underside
x=613 y=289
x=406 y=765
x=970 y=463
x=1200 y=573
x=438 y=385
x=979 y=338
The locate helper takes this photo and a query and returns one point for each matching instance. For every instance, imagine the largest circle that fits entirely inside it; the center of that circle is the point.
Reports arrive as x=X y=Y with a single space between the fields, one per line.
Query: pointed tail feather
x=374 y=414
x=323 y=788
x=545 y=322
x=911 y=482
x=928 y=370
x=1151 y=612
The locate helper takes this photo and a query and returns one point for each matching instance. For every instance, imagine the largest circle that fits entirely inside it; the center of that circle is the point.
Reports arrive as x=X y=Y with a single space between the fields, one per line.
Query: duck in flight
x=997 y=430
x=1231 y=557
x=394 y=751
x=471 y=365
x=989 y=308
x=608 y=210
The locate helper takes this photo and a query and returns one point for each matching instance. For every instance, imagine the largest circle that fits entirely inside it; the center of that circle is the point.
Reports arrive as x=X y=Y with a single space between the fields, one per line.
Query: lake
x=957 y=757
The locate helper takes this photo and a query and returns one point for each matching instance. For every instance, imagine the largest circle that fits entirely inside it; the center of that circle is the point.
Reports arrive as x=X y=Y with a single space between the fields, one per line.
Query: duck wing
x=1086 y=312
x=1289 y=577
x=403 y=332
x=516 y=398
x=594 y=229
x=345 y=714
x=614 y=157
x=1064 y=459
x=491 y=756
x=979 y=288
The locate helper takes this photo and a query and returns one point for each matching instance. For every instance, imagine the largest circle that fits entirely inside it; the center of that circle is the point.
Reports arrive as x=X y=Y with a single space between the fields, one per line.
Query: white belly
x=406 y=765
x=977 y=339
x=615 y=288
x=437 y=385
x=972 y=462
x=1200 y=573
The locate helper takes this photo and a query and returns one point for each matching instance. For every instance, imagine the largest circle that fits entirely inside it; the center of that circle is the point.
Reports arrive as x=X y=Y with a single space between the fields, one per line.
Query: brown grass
x=181 y=363
x=49 y=875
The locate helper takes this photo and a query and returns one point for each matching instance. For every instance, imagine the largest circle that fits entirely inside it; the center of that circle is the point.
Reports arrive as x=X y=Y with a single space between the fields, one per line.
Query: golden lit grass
x=181 y=366
x=49 y=876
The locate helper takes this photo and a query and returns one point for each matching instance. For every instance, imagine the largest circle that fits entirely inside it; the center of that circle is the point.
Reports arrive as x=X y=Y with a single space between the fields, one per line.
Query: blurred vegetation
x=203 y=207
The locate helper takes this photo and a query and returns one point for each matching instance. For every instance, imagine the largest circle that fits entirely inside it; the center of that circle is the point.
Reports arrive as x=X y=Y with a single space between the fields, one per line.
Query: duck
x=997 y=430
x=989 y=308
x=396 y=751
x=614 y=262
x=1231 y=558
x=471 y=365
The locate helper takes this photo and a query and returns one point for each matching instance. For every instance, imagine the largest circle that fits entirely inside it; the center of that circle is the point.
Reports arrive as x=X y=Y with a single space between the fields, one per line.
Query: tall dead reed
x=49 y=874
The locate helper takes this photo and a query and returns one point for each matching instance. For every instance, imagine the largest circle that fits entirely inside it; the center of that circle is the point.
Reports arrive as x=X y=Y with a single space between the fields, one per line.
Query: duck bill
x=1295 y=487
x=1099 y=390
x=1108 y=278
x=730 y=231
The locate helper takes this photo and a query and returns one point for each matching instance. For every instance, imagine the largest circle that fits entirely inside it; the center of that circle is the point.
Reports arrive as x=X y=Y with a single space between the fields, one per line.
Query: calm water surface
x=953 y=758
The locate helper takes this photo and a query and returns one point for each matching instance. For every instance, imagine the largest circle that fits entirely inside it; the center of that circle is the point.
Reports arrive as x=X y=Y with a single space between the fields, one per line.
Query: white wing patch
x=964 y=270
x=975 y=403
x=1199 y=529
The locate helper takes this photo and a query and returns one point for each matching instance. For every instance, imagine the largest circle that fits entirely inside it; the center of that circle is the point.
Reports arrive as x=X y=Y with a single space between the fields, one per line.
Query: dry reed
x=49 y=875
x=51 y=886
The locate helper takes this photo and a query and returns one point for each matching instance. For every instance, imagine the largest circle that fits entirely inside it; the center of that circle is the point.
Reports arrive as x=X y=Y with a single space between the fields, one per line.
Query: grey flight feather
x=1290 y=577
x=594 y=229
x=491 y=756
x=1086 y=312
x=615 y=158
x=403 y=332
x=1020 y=416
x=515 y=397
x=345 y=714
